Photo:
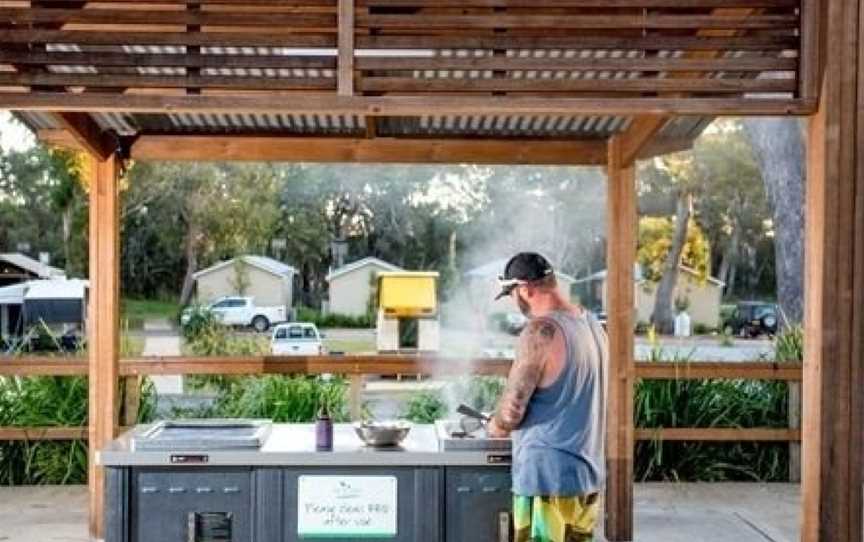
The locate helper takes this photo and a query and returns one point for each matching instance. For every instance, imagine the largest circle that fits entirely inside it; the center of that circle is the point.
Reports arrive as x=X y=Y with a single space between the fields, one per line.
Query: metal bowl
x=380 y=434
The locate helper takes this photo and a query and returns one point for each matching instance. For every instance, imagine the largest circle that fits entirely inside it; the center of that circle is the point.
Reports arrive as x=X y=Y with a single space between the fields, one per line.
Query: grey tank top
x=558 y=449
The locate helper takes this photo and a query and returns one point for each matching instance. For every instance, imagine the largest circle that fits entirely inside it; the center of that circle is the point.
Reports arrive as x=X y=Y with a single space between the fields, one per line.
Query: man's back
x=559 y=445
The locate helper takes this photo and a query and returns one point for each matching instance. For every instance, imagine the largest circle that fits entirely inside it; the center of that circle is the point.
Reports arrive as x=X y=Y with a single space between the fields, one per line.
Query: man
x=554 y=405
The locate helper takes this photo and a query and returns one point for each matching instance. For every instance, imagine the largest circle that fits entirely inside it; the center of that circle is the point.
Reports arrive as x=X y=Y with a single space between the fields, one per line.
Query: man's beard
x=523 y=306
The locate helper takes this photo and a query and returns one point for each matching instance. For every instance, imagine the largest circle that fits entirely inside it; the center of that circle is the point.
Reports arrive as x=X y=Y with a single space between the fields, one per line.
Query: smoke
x=557 y=211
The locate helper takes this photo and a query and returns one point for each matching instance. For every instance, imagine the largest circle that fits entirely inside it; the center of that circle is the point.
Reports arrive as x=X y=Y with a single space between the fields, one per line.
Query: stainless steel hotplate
x=193 y=435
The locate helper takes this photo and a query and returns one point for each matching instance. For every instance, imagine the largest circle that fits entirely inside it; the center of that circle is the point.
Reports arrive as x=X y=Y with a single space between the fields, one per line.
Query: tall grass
x=49 y=401
x=284 y=399
x=280 y=398
x=710 y=403
x=789 y=345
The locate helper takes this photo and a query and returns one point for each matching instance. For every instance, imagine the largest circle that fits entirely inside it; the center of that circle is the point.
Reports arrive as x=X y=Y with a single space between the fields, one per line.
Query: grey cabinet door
x=478 y=504
x=200 y=505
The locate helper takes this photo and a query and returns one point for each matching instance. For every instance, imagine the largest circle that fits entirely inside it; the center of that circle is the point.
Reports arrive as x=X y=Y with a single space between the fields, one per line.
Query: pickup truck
x=242 y=311
x=297 y=339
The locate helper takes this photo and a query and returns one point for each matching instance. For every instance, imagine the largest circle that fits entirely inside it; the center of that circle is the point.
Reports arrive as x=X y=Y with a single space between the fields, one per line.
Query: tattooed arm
x=535 y=349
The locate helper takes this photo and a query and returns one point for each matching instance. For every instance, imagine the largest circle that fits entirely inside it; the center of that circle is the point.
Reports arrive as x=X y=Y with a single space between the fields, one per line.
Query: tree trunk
x=730 y=255
x=67 y=236
x=779 y=149
x=663 y=317
x=191 y=253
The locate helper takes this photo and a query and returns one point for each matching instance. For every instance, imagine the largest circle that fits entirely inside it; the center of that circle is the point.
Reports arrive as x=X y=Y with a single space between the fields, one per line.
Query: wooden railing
x=353 y=366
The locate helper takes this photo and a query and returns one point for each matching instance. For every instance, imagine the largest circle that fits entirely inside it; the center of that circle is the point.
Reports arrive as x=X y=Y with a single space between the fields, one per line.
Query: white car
x=297 y=339
x=242 y=311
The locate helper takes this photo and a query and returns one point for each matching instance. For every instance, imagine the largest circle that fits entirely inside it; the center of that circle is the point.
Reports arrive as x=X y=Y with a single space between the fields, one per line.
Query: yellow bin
x=411 y=294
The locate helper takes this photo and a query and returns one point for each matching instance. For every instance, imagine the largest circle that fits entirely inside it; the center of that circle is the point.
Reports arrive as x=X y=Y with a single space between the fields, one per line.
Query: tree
x=559 y=211
x=779 y=148
x=41 y=202
x=655 y=241
x=731 y=206
x=672 y=174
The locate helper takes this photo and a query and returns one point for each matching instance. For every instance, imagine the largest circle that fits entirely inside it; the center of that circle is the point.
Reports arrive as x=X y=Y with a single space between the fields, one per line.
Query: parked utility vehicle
x=297 y=339
x=241 y=311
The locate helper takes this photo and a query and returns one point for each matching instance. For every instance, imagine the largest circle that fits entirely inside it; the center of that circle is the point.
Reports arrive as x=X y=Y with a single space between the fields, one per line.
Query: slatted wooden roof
x=420 y=74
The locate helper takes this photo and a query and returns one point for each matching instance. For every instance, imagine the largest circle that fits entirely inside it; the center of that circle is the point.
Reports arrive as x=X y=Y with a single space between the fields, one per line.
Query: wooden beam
x=659 y=147
x=408 y=63
x=620 y=259
x=574 y=3
x=32 y=434
x=369 y=364
x=812 y=43
x=641 y=21
x=400 y=105
x=756 y=370
x=834 y=289
x=639 y=135
x=613 y=86
x=88 y=135
x=102 y=322
x=346 y=48
x=377 y=150
x=59 y=138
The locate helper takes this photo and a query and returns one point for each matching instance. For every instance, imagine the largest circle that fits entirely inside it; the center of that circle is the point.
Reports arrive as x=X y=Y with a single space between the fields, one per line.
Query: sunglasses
x=508 y=285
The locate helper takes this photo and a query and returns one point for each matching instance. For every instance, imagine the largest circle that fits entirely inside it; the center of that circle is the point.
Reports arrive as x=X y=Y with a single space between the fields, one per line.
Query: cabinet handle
x=176 y=490
x=490 y=489
x=463 y=489
x=149 y=489
x=203 y=490
x=231 y=489
x=504 y=526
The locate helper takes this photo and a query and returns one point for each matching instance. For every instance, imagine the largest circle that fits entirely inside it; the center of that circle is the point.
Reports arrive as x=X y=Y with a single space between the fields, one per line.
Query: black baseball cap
x=523 y=268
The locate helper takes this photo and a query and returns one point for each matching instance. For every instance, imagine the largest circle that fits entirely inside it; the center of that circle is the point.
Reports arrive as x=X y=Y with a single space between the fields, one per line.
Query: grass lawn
x=131 y=346
x=348 y=346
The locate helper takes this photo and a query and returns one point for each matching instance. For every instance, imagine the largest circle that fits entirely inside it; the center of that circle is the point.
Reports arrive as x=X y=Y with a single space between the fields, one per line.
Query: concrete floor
x=664 y=513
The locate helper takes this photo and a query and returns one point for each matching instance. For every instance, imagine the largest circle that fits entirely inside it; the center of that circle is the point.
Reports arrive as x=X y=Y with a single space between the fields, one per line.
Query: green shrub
x=206 y=336
x=702 y=329
x=789 y=344
x=425 y=407
x=200 y=321
x=479 y=392
x=284 y=399
x=305 y=314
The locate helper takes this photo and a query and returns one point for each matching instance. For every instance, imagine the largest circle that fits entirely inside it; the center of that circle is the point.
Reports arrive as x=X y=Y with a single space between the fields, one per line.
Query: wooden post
x=131 y=399
x=355 y=397
x=834 y=286
x=793 y=395
x=103 y=322
x=620 y=259
x=345 y=72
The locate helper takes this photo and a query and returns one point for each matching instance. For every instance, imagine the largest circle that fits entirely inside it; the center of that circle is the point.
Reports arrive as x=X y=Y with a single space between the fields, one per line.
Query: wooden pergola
x=593 y=82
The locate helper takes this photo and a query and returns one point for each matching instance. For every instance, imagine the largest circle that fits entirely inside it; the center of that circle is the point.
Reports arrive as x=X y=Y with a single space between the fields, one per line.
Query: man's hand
x=493 y=430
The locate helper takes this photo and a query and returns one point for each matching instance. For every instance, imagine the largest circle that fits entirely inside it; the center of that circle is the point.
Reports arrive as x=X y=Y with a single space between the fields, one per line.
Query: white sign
x=346 y=506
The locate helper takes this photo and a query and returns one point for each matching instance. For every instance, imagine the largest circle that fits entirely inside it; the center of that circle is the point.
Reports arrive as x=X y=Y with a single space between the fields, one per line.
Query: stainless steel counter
x=294 y=444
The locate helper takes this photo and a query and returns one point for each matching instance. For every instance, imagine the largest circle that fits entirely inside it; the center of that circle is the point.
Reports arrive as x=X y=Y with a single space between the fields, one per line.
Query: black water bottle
x=324 y=430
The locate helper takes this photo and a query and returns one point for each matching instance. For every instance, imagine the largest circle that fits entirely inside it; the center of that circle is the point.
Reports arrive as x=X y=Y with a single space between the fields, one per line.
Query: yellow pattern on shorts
x=555 y=519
